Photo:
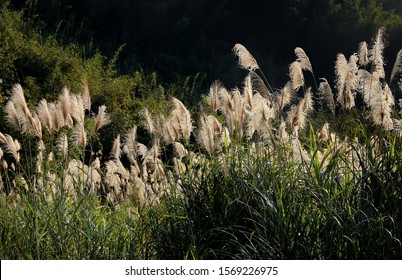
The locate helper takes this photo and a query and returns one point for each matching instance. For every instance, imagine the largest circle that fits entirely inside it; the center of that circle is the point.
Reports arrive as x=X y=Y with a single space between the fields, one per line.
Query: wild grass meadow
x=312 y=170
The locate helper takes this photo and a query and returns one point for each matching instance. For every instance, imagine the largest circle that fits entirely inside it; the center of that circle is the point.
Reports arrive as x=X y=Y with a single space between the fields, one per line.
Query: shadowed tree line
x=177 y=38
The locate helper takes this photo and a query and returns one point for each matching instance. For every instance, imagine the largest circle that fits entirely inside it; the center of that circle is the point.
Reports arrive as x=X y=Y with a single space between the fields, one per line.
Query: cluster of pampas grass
x=252 y=114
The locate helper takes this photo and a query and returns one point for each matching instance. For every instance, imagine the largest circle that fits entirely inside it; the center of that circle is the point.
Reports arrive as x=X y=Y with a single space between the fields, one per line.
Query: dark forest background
x=178 y=38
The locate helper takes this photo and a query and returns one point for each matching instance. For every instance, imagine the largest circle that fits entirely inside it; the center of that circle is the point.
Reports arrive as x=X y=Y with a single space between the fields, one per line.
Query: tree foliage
x=195 y=36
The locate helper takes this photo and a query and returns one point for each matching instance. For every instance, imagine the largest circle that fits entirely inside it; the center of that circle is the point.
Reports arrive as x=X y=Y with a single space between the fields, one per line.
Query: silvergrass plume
x=346 y=80
x=225 y=101
x=248 y=91
x=283 y=136
x=213 y=96
x=363 y=54
x=36 y=126
x=168 y=131
x=239 y=118
x=258 y=85
x=326 y=95
x=180 y=118
x=13 y=147
x=18 y=98
x=148 y=121
x=116 y=148
x=397 y=68
x=209 y=134
x=297 y=114
x=3 y=138
x=381 y=107
x=19 y=114
x=102 y=118
x=261 y=114
x=77 y=108
x=376 y=53
x=296 y=75
x=65 y=106
x=44 y=114
x=179 y=150
x=39 y=158
x=246 y=60
x=56 y=116
x=368 y=85
x=62 y=145
x=303 y=59
x=130 y=145
x=285 y=97
x=323 y=135
x=79 y=136
x=86 y=96
x=12 y=115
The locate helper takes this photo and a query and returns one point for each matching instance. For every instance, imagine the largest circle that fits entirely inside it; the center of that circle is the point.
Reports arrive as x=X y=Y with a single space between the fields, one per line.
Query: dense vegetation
x=101 y=164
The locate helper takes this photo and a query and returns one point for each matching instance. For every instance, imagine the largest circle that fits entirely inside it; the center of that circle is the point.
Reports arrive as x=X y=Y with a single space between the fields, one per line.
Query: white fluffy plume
x=303 y=59
x=397 y=68
x=376 y=53
x=246 y=60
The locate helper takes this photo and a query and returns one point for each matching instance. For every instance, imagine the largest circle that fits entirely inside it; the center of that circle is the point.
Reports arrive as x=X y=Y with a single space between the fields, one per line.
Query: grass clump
x=250 y=175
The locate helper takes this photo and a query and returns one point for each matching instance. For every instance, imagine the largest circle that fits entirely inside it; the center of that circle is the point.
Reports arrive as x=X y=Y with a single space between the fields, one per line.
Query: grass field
x=251 y=173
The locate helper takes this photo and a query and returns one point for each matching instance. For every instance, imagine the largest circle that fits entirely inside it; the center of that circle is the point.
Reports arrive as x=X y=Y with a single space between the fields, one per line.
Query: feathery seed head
x=261 y=114
x=18 y=98
x=388 y=96
x=346 y=80
x=303 y=59
x=326 y=95
x=248 y=91
x=285 y=96
x=65 y=106
x=86 y=96
x=12 y=115
x=297 y=114
x=323 y=135
x=148 y=121
x=307 y=102
x=56 y=116
x=179 y=151
x=62 y=145
x=79 y=136
x=77 y=108
x=3 y=138
x=169 y=132
x=13 y=147
x=283 y=136
x=246 y=60
x=213 y=96
x=130 y=144
x=258 y=85
x=341 y=71
x=376 y=53
x=35 y=126
x=102 y=118
x=397 y=68
x=209 y=133
x=225 y=101
x=363 y=54
x=116 y=148
x=181 y=119
x=296 y=75
x=44 y=114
